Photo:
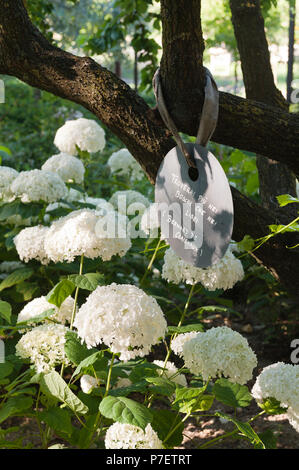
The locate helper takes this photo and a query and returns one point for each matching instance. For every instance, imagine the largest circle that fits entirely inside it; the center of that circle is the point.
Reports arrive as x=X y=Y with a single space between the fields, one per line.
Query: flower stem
x=76 y=293
x=151 y=262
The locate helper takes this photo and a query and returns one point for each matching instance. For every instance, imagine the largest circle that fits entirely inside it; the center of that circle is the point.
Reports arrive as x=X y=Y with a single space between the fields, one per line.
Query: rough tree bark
x=274 y=178
x=244 y=124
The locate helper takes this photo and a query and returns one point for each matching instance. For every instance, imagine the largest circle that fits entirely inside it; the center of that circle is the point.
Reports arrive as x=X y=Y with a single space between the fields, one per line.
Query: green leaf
x=247 y=244
x=285 y=199
x=60 y=292
x=161 y=385
x=187 y=393
x=75 y=350
x=163 y=422
x=58 y=419
x=125 y=410
x=6 y=369
x=147 y=369
x=16 y=277
x=185 y=329
x=88 y=281
x=232 y=394
x=269 y=439
x=272 y=406
x=96 y=359
x=54 y=386
x=39 y=318
x=5 y=311
x=245 y=429
x=140 y=387
x=14 y=405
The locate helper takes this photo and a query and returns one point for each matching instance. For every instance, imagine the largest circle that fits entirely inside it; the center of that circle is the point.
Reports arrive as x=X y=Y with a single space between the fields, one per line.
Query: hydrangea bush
x=83 y=307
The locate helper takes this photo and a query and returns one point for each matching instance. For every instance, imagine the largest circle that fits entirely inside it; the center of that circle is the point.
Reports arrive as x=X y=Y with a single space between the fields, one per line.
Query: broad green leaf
x=14 y=405
x=161 y=385
x=96 y=359
x=232 y=394
x=140 y=387
x=147 y=369
x=52 y=384
x=285 y=199
x=187 y=393
x=16 y=277
x=60 y=292
x=6 y=369
x=88 y=281
x=245 y=429
x=75 y=350
x=247 y=244
x=58 y=419
x=269 y=439
x=163 y=422
x=125 y=410
x=5 y=311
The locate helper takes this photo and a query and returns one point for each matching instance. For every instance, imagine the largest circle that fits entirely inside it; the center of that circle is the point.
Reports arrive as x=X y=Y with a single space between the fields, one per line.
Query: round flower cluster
x=220 y=351
x=222 y=275
x=44 y=346
x=124 y=163
x=88 y=383
x=128 y=436
x=127 y=202
x=178 y=342
x=30 y=244
x=170 y=372
x=83 y=133
x=69 y=168
x=83 y=232
x=38 y=185
x=280 y=381
x=7 y=176
x=149 y=223
x=37 y=306
x=100 y=204
x=137 y=320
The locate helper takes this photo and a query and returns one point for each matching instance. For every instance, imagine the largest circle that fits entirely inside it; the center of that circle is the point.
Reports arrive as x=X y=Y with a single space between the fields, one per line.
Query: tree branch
x=245 y=124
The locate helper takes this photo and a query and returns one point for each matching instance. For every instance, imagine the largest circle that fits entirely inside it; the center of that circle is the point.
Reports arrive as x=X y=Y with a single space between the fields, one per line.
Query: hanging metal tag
x=196 y=217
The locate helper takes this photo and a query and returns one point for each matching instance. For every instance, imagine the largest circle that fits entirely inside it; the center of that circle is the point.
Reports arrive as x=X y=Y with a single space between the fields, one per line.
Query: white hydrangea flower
x=37 y=306
x=10 y=266
x=88 y=383
x=128 y=436
x=129 y=201
x=170 y=372
x=38 y=185
x=220 y=351
x=280 y=381
x=44 y=346
x=83 y=232
x=69 y=168
x=83 y=133
x=122 y=317
x=222 y=275
x=178 y=342
x=149 y=223
x=73 y=195
x=7 y=176
x=30 y=244
x=124 y=163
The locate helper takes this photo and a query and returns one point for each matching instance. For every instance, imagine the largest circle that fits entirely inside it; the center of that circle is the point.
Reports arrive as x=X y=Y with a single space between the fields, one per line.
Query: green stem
x=151 y=262
x=226 y=435
x=175 y=428
x=76 y=293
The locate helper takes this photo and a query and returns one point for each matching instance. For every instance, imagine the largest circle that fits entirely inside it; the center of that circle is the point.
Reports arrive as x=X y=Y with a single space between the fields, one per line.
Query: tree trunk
x=275 y=178
x=245 y=124
x=292 y=16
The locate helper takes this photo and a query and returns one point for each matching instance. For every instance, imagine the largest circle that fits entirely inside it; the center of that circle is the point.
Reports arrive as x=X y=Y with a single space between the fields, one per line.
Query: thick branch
x=24 y=53
x=243 y=124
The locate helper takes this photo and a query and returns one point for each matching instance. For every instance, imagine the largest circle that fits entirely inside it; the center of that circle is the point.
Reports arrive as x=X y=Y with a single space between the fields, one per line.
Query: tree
x=243 y=123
